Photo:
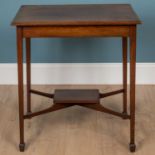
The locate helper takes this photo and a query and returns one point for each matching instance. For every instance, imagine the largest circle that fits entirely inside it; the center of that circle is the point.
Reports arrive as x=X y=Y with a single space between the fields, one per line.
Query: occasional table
x=94 y=20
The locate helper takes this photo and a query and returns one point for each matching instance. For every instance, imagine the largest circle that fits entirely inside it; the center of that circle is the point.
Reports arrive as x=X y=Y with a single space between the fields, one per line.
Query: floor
x=77 y=130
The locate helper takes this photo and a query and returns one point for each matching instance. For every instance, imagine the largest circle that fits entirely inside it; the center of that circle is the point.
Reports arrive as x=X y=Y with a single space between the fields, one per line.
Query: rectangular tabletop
x=93 y=14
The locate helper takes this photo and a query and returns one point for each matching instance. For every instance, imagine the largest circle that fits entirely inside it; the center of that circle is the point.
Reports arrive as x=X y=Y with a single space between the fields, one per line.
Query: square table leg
x=125 y=56
x=28 y=73
x=20 y=86
x=132 y=86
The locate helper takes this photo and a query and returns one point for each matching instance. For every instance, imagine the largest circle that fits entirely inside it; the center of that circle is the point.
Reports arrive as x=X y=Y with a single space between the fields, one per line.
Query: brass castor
x=132 y=147
x=22 y=147
x=125 y=115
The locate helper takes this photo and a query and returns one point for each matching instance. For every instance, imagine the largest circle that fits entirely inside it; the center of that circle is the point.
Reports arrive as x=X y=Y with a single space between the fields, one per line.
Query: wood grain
x=92 y=14
x=77 y=130
x=79 y=96
x=75 y=31
x=76 y=21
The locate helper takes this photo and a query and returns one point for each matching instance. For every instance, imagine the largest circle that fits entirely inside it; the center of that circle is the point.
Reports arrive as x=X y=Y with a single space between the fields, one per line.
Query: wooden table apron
x=29 y=32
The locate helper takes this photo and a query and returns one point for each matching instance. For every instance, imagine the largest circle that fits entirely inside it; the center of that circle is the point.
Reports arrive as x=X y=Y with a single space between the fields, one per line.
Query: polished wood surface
x=20 y=86
x=125 y=60
x=76 y=31
x=88 y=98
x=77 y=130
x=76 y=96
x=132 y=86
x=28 y=70
x=108 y=20
x=95 y=14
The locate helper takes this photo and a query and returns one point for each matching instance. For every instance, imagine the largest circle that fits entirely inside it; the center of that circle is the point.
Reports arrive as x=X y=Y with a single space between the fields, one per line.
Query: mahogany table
x=99 y=20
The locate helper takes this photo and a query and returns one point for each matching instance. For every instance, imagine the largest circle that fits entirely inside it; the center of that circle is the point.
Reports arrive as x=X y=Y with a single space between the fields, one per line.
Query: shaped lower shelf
x=76 y=96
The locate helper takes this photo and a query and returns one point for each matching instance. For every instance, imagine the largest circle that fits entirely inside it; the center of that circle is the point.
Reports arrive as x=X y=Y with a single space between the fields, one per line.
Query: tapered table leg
x=125 y=53
x=28 y=73
x=20 y=86
x=132 y=86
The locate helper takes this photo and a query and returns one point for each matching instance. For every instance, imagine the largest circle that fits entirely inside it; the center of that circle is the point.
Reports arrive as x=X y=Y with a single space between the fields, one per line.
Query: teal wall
x=77 y=50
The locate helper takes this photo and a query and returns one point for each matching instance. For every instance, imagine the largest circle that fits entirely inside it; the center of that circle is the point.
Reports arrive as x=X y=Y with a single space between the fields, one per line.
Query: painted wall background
x=69 y=50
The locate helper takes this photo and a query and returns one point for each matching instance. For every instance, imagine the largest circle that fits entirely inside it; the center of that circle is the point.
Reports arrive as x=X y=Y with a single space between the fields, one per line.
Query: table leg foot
x=125 y=115
x=22 y=147
x=132 y=147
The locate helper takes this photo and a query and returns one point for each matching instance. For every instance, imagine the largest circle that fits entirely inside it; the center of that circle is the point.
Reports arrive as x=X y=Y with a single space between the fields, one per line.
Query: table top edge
x=15 y=22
